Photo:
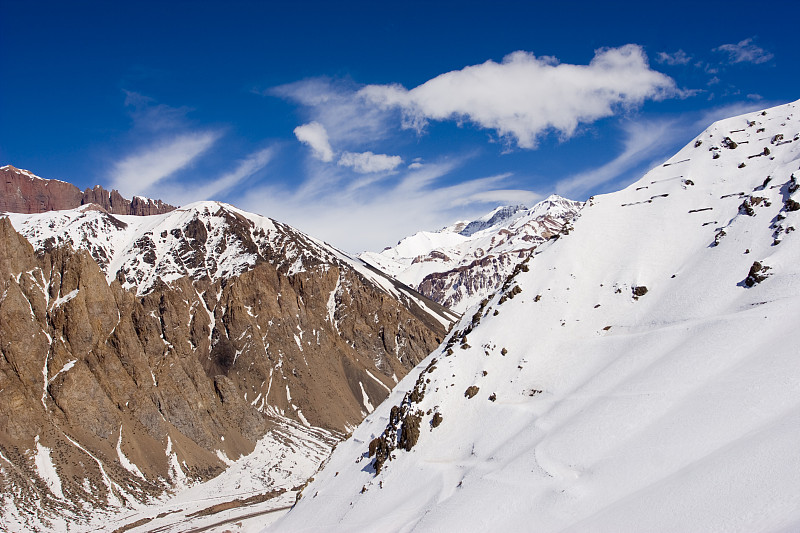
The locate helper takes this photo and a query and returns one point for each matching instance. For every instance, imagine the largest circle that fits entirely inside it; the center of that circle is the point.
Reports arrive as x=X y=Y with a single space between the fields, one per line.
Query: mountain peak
x=498 y=216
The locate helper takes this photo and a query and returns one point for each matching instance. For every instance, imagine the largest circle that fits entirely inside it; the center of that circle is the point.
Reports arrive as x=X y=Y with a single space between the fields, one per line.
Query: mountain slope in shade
x=23 y=192
x=463 y=263
x=143 y=354
x=638 y=374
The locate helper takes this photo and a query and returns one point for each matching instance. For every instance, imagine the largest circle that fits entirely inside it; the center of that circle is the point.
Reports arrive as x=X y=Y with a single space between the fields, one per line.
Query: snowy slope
x=263 y=483
x=602 y=406
x=463 y=263
x=210 y=240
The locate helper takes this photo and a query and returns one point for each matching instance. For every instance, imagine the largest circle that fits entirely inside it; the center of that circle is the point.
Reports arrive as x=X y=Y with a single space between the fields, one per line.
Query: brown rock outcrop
x=23 y=192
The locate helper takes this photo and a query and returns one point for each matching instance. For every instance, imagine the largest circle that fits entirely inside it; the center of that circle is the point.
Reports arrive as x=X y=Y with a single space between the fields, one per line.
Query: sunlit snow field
x=674 y=410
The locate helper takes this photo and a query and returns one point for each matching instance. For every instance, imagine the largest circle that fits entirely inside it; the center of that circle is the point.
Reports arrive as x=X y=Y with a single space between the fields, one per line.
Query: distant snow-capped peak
x=464 y=262
x=496 y=217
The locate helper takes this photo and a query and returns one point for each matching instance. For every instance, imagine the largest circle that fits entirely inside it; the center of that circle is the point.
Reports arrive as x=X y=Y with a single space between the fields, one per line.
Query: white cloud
x=314 y=135
x=367 y=162
x=745 y=52
x=525 y=96
x=139 y=172
x=502 y=197
x=379 y=209
x=677 y=58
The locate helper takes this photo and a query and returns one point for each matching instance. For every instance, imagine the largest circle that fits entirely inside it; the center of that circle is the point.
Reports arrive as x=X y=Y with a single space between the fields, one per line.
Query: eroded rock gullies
x=110 y=397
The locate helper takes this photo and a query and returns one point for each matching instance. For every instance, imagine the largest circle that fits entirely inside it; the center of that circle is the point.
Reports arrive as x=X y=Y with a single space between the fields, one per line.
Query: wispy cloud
x=380 y=212
x=164 y=142
x=642 y=141
x=525 y=96
x=160 y=167
x=210 y=187
x=676 y=58
x=348 y=119
x=745 y=51
x=502 y=197
x=139 y=172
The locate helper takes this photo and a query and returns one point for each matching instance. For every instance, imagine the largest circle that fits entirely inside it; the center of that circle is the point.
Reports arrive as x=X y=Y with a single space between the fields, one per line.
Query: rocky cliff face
x=24 y=192
x=113 y=393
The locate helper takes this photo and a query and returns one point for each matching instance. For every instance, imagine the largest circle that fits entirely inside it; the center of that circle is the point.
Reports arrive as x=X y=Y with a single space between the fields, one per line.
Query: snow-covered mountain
x=203 y=240
x=144 y=354
x=494 y=218
x=465 y=262
x=639 y=373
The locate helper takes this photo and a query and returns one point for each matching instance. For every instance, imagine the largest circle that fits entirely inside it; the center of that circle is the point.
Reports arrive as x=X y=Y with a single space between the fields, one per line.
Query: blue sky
x=360 y=122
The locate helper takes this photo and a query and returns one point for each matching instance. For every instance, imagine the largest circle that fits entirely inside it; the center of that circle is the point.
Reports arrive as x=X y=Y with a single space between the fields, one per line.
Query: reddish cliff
x=23 y=192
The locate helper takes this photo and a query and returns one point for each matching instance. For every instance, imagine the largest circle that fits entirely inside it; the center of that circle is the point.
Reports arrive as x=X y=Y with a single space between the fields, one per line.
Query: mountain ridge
x=21 y=191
